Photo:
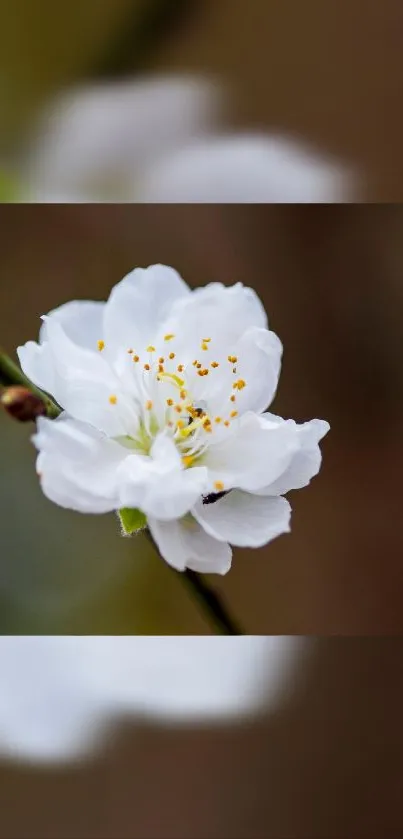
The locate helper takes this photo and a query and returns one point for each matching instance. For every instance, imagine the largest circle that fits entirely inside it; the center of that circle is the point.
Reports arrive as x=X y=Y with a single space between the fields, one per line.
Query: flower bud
x=22 y=404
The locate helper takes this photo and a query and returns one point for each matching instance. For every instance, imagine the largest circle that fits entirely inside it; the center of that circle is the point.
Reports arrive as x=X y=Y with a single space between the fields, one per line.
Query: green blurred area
x=46 y=46
x=64 y=573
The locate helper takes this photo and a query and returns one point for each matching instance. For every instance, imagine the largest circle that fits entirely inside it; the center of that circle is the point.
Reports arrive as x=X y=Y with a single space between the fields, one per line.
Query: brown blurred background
x=330 y=72
x=326 y=764
x=330 y=278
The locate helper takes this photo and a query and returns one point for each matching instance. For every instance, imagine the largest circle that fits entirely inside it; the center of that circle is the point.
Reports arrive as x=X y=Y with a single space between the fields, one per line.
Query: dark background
x=327 y=71
x=330 y=278
x=326 y=764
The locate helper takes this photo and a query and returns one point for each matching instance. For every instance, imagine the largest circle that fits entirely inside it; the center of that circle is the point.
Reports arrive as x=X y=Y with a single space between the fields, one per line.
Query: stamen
x=169 y=337
x=161 y=360
x=234 y=414
x=206 y=340
x=170 y=402
x=183 y=394
x=130 y=352
x=239 y=385
x=233 y=359
x=227 y=423
x=218 y=420
x=178 y=409
x=171 y=355
x=215 y=364
x=149 y=405
x=187 y=460
x=147 y=367
x=204 y=346
x=101 y=345
x=150 y=348
x=181 y=368
x=219 y=486
x=160 y=368
x=113 y=399
x=233 y=398
x=180 y=424
x=136 y=358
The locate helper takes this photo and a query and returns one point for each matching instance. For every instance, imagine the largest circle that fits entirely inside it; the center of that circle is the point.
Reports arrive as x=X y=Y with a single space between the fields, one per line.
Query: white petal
x=259 y=354
x=159 y=485
x=82 y=321
x=138 y=305
x=38 y=364
x=251 y=169
x=221 y=313
x=78 y=466
x=99 y=140
x=81 y=381
x=184 y=544
x=243 y=519
x=306 y=461
x=255 y=453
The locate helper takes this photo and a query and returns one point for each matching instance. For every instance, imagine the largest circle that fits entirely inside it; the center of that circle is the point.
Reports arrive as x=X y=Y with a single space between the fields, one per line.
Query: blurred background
x=324 y=762
x=330 y=279
x=328 y=74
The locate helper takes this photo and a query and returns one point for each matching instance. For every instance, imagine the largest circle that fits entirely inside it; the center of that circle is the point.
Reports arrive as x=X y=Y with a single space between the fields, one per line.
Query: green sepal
x=131 y=520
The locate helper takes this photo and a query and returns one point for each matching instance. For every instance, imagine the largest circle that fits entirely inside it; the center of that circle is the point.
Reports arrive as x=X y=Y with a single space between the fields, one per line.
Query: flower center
x=168 y=397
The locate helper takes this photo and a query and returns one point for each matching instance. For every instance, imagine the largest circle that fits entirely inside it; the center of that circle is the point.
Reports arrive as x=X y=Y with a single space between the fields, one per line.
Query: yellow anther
x=226 y=423
x=215 y=364
x=239 y=385
x=170 y=402
x=113 y=399
x=161 y=360
x=233 y=359
x=180 y=424
x=219 y=486
x=204 y=346
x=136 y=358
x=130 y=352
x=150 y=348
x=149 y=405
x=160 y=368
x=168 y=337
x=206 y=422
x=183 y=394
x=101 y=345
x=233 y=414
x=171 y=355
x=195 y=362
x=178 y=409
x=233 y=398
x=187 y=460
x=181 y=368
x=218 y=420
x=147 y=367
x=203 y=372
x=206 y=340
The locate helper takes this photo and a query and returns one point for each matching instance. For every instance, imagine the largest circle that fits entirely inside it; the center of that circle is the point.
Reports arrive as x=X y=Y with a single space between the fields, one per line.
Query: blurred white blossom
x=61 y=694
x=161 y=140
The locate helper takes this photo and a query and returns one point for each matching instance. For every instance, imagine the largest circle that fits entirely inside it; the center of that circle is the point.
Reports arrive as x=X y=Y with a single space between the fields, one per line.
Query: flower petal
x=159 y=485
x=139 y=304
x=243 y=519
x=81 y=381
x=217 y=312
x=259 y=354
x=306 y=461
x=255 y=453
x=82 y=321
x=78 y=466
x=184 y=544
x=248 y=168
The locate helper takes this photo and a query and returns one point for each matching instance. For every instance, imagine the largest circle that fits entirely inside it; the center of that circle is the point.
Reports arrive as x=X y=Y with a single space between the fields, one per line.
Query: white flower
x=158 y=140
x=164 y=391
x=61 y=693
